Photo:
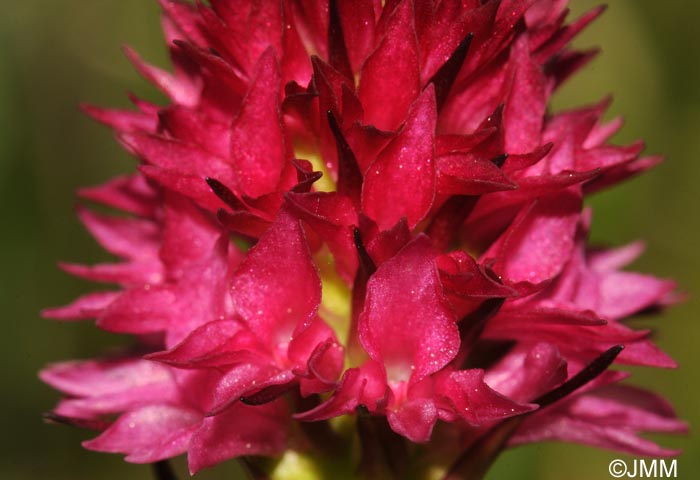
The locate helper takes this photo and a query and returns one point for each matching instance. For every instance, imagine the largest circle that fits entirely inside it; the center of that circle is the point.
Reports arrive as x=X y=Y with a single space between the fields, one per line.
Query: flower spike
x=356 y=227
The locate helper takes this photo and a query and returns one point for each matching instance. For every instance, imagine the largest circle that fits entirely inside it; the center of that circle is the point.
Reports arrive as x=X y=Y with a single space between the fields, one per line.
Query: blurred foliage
x=55 y=54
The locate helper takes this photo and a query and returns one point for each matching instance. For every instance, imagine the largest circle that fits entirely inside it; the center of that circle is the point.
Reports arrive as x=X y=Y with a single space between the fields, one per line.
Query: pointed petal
x=609 y=260
x=177 y=155
x=401 y=182
x=537 y=245
x=257 y=139
x=199 y=296
x=87 y=306
x=131 y=194
x=467 y=175
x=125 y=237
x=126 y=274
x=148 y=434
x=358 y=24
x=99 y=387
x=188 y=236
x=214 y=344
x=191 y=126
x=610 y=417
x=122 y=120
x=193 y=186
x=98 y=377
x=177 y=89
x=390 y=78
x=625 y=293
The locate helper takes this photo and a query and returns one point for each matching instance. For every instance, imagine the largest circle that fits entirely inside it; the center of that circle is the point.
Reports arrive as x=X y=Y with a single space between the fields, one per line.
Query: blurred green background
x=55 y=54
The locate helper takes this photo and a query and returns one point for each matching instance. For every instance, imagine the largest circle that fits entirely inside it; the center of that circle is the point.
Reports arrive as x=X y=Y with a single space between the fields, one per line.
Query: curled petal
x=414 y=419
x=470 y=398
x=365 y=385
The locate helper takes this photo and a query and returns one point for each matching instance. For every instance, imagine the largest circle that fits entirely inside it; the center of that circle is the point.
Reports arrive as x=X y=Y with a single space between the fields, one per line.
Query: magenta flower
x=362 y=211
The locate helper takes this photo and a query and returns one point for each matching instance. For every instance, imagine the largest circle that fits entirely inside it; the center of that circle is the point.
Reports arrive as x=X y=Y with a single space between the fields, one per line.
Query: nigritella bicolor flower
x=357 y=237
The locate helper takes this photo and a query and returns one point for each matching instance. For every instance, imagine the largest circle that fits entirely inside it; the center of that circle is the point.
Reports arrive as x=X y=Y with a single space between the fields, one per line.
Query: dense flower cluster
x=362 y=210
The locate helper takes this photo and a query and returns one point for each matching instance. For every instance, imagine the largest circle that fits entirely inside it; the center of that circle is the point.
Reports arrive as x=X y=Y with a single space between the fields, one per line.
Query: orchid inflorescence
x=357 y=237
